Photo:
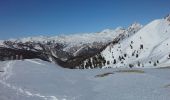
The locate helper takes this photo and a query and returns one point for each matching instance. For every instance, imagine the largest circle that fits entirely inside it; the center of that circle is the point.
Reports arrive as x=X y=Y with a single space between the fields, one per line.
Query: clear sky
x=23 y=18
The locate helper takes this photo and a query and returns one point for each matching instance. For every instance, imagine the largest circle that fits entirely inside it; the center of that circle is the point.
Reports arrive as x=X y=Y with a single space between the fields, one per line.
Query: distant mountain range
x=135 y=46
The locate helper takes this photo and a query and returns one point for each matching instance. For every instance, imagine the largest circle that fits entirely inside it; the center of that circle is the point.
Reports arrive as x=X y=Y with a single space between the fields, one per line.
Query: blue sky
x=22 y=18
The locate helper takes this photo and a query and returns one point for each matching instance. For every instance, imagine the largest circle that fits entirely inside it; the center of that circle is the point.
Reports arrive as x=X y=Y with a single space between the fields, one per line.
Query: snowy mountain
x=148 y=47
x=135 y=46
x=68 y=50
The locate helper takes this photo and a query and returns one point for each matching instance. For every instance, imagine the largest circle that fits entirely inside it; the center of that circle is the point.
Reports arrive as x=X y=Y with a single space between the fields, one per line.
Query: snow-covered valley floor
x=39 y=80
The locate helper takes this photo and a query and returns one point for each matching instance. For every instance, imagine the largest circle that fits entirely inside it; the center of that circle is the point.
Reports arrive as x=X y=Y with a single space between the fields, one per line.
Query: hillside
x=149 y=47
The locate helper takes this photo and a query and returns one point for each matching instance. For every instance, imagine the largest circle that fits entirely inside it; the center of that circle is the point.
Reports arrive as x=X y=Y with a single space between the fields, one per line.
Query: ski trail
x=28 y=93
x=8 y=72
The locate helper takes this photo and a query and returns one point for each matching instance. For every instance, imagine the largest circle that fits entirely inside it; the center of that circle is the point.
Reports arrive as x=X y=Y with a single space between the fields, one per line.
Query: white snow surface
x=39 y=80
x=1 y=42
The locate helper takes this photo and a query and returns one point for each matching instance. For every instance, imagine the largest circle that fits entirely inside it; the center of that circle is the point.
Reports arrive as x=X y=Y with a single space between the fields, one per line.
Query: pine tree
x=138 y=63
x=94 y=62
x=154 y=64
x=108 y=62
x=114 y=62
x=89 y=63
x=122 y=58
x=131 y=65
x=141 y=46
x=137 y=55
x=104 y=62
x=131 y=46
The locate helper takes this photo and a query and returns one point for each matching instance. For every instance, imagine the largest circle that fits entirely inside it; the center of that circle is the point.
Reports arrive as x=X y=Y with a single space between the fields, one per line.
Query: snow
x=1 y=42
x=74 y=39
x=155 y=38
x=39 y=80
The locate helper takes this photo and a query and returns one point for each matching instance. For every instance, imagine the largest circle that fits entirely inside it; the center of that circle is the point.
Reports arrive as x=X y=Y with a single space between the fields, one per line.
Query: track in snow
x=8 y=72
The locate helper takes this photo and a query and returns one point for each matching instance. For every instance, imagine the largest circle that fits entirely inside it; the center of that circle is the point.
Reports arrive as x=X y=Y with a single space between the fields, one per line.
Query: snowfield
x=39 y=80
x=150 y=46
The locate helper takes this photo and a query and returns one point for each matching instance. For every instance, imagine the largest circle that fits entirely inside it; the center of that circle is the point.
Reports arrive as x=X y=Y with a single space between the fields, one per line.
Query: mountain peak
x=167 y=17
x=107 y=30
x=135 y=25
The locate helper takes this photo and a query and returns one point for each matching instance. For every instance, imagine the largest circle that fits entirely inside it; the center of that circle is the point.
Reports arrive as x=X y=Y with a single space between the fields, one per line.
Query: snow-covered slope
x=150 y=46
x=39 y=80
